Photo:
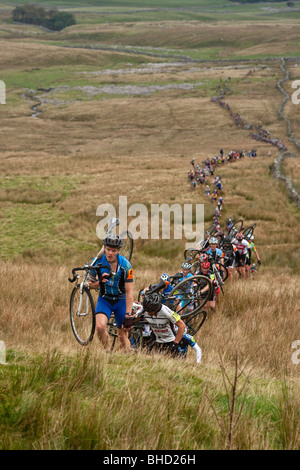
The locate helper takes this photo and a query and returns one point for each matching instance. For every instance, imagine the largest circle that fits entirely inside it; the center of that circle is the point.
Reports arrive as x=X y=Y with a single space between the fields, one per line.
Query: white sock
x=198 y=352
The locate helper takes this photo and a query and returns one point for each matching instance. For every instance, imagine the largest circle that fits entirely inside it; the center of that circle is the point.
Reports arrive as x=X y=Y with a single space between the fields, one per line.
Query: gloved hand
x=174 y=348
x=127 y=322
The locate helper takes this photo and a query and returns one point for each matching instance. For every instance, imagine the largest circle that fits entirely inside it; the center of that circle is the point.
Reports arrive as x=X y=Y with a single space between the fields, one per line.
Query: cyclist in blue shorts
x=116 y=292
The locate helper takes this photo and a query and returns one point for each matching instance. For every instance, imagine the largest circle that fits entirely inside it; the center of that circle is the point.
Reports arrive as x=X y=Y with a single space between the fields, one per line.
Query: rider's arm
x=129 y=296
x=180 y=331
x=198 y=352
x=257 y=255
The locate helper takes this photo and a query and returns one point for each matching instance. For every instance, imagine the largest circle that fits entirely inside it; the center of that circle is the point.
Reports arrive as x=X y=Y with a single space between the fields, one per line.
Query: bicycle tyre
x=248 y=231
x=194 y=299
x=238 y=225
x=195 y=267
x=127 y=249
x=195 y=321
x=190 y=253
x=136 y=337
x=224 y=269
x=111 y=329
x=82 y=315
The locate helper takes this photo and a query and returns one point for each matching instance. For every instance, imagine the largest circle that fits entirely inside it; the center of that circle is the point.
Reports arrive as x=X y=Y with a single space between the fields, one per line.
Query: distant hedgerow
x=51 y=19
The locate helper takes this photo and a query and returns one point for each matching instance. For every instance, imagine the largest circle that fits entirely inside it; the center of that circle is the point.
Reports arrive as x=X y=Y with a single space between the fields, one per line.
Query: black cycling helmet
x=152 y=302
x=113 y=241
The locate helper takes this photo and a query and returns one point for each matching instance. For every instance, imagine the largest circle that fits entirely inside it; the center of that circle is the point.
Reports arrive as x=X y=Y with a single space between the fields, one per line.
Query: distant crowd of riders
x=220 y=254
x=169 y=326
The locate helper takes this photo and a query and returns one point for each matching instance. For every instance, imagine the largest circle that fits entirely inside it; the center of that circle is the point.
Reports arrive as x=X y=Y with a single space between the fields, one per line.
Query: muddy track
x=277 y=164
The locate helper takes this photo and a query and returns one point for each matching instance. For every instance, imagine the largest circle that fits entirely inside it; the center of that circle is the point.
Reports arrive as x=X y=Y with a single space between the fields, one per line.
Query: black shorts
x=239 y=260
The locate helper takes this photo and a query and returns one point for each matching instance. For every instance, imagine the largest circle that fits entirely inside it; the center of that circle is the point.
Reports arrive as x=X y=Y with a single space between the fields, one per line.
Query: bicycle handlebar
x=89 y=268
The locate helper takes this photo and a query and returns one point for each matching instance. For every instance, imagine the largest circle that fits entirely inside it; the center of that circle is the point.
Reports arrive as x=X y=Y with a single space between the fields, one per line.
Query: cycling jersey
x=252 y=246
x=115 y=286
x=216 y=255
x=185 y=277
x=162 y=324
x=241 y=246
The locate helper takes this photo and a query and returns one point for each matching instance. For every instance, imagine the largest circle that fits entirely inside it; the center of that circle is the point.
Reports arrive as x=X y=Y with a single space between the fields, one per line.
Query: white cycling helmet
x=186 y=266
x=213 y=241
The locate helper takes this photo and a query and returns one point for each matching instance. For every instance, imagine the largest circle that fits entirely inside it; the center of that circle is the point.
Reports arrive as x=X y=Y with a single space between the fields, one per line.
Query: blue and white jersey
x=217 y=255
x=115 y=286
x=183 y=278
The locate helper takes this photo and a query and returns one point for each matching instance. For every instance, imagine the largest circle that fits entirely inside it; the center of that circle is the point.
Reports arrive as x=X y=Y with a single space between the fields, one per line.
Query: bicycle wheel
x=136 y=337
x=111 y=328
x=82 y=315
x=127 y=248
x=195 y=267
x=211 y=230
x=237 y=226
x=248 y=231
x=218 y=278
x=190 y=253
x=195 y=321
x=185 y=297
x=223 y=272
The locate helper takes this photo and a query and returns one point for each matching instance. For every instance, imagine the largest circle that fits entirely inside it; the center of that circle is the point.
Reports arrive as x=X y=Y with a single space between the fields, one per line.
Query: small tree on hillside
x=51 y=19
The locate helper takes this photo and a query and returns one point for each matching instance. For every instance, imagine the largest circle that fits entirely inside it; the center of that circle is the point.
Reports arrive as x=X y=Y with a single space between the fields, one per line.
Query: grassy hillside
x=116 y=105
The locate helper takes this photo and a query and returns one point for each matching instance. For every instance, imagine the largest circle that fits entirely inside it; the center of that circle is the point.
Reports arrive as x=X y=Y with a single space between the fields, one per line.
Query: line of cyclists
x=257 y=131
x=219 y=254
x=216 y=257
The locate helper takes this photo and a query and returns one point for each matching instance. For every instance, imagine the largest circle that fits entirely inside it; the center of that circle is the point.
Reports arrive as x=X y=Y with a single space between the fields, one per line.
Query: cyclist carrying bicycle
x=149 y=337
x=162 y=321
x=215 y=253
x=206 y=271
x=116 y=292
x=251 y=248
x=241 y=251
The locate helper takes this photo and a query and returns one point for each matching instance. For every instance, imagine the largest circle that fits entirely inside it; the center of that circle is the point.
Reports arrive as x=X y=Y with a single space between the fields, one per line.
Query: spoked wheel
x=82 y=314
x=190 y=253
x=195 y=321
x=136 y=336
x=195 y=267
x=127 y=248
x=111 y=328
x=210 y=231
x=248 y=231
x=186 y=298
x=223 y=272
x=237 y=226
